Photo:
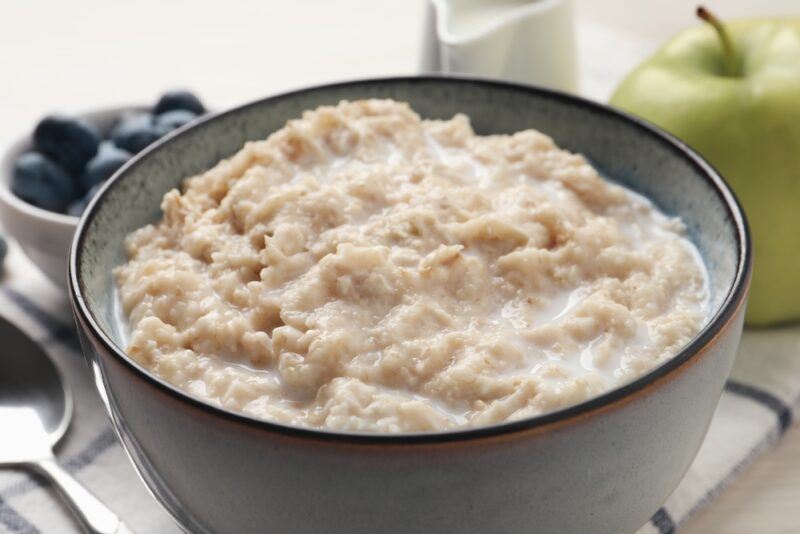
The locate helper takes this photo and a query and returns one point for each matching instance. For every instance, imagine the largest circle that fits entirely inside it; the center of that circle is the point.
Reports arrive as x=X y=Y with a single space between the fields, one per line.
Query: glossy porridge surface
x=366 y=270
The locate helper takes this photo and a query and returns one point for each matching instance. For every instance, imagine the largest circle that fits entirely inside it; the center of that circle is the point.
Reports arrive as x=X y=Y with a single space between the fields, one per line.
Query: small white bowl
x=45 y=235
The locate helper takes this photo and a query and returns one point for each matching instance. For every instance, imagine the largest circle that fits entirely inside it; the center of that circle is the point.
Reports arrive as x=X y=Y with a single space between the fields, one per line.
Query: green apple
x=732 y=92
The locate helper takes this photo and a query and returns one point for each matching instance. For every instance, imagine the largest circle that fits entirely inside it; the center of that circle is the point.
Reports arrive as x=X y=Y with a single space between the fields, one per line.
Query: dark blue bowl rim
x=731 y=303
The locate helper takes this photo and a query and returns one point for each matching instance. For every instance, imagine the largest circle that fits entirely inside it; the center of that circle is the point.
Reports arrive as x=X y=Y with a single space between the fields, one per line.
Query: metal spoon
x=35 y=410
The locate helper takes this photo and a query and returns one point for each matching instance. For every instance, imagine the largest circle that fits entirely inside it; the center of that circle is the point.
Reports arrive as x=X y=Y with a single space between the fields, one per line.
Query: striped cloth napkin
x=757 y=407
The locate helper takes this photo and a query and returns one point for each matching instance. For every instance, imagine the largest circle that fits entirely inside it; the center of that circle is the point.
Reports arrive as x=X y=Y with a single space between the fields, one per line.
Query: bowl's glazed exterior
x=602 y=466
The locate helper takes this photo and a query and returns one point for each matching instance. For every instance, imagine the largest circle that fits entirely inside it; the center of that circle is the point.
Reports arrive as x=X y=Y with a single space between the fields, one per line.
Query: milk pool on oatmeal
x=365 y=270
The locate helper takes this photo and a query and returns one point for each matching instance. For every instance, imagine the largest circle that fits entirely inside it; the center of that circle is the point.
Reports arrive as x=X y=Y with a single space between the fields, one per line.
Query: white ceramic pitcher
x=529 y=41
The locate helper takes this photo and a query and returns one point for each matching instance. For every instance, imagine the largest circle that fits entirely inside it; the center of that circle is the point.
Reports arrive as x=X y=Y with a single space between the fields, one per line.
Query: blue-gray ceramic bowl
x=602 y=466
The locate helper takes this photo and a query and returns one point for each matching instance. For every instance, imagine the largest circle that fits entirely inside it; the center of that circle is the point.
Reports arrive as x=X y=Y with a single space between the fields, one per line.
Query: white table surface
x=71 y=56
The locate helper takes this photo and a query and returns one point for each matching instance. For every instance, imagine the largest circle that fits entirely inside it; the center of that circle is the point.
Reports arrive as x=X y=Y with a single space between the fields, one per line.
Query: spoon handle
x=93 y=515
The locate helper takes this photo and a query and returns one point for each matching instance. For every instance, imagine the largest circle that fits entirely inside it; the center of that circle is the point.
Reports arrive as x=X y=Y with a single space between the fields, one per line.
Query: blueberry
x=135 y=131
x=108 y=159
x=42 y=182
x=179 y=100
x=77 y=207
x=175 y=118
x=71 y=142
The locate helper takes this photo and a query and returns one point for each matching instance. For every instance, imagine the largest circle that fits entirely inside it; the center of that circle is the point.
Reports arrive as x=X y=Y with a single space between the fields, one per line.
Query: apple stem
x=727 y=44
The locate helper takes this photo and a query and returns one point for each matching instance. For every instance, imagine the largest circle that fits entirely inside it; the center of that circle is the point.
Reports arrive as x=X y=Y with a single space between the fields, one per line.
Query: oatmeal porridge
x=365 y=270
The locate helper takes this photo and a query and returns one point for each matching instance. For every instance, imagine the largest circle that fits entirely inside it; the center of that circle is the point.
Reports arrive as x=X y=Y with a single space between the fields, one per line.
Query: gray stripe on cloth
x=96 y=447
x=663 y=522
x=57 y=330
x=13 y=521
x=782 y=410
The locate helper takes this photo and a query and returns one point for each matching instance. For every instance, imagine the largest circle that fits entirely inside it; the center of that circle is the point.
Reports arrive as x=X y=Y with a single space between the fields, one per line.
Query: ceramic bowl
x=603 y=466
x=45 y=235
